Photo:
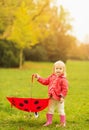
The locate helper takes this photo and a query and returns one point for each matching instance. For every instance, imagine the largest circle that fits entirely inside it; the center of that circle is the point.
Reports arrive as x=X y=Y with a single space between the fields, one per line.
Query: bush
x=9 y=54
x=36 y=53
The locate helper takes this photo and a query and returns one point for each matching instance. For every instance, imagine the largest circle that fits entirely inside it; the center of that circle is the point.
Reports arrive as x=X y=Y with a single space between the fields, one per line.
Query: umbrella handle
x=32 y=78
x=31 y=85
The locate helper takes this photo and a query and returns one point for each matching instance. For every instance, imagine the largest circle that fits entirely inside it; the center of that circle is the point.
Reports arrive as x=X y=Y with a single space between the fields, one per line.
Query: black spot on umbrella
x=39 y=107
x=21 y=104
x=26 y=101
x=36 y=102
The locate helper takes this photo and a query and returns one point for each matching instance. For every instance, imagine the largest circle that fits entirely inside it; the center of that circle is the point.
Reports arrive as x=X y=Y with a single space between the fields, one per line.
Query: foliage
x=36 y=53
x=58 y=42
x=7 y=9
x=22 y=30
x=79 y=52
x=8 y=54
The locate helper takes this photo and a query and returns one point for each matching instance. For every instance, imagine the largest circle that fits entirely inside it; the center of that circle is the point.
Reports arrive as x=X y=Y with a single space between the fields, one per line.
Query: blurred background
x=48 y=30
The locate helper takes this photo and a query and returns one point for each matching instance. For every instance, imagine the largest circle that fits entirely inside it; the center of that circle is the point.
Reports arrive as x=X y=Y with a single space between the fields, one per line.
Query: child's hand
x=61 y=100
x=36 y=76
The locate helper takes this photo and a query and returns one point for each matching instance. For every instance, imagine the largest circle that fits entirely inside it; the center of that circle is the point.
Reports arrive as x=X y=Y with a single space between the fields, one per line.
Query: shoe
x=47 y=124
x=49 y=119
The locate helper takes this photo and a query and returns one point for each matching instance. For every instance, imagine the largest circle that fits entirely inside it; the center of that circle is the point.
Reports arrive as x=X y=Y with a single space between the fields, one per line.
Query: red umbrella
x=29 y=104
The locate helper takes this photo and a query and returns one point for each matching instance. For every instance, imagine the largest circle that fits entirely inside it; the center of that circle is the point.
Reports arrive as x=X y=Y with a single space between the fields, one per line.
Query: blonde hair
x=62 y=64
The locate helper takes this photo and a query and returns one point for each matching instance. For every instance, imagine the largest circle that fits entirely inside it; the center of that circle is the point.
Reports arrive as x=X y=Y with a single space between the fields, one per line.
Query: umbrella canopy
x=29 y=104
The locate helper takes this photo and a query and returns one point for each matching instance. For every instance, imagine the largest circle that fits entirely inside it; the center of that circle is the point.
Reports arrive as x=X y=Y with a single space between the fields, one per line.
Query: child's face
x=59 y=69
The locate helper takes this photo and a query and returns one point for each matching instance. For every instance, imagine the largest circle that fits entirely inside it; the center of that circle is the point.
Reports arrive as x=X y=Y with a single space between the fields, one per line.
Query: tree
x=59 y=40
x=29 y=26
x=23 y=31
x=7 y=9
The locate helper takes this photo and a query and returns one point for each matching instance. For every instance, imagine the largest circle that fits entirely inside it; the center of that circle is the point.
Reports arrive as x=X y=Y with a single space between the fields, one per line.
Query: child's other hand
x=61 y=100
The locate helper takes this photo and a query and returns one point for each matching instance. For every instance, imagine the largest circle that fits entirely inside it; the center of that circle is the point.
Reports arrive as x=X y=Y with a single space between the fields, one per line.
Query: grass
x=16 y=82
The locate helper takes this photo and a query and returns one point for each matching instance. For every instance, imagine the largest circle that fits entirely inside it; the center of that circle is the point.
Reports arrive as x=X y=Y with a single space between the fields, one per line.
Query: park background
x=33 y=35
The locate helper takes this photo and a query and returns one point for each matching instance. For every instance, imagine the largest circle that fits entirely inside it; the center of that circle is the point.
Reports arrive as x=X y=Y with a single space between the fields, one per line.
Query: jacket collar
x=61 y=76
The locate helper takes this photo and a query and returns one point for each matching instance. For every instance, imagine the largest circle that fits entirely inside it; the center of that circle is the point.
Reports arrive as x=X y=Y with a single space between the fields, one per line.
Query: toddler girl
x=57 y=91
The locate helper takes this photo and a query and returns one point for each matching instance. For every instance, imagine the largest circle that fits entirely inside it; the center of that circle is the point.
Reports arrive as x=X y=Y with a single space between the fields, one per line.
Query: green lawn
x=15 y=82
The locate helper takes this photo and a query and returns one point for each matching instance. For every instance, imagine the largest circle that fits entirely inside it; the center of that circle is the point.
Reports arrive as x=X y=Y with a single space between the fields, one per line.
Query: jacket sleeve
x=64 y=88
x=43 y=81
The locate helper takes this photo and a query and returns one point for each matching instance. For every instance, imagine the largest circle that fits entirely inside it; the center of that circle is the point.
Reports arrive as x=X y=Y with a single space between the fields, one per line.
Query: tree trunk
x=21 y=58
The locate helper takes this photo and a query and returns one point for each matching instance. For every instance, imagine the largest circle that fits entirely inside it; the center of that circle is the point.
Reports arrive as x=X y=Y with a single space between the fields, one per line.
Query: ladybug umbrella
x=29 y=104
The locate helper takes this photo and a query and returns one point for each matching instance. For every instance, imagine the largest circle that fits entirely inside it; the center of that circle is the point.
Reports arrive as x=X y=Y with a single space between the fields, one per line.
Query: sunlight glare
x=79 y=12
